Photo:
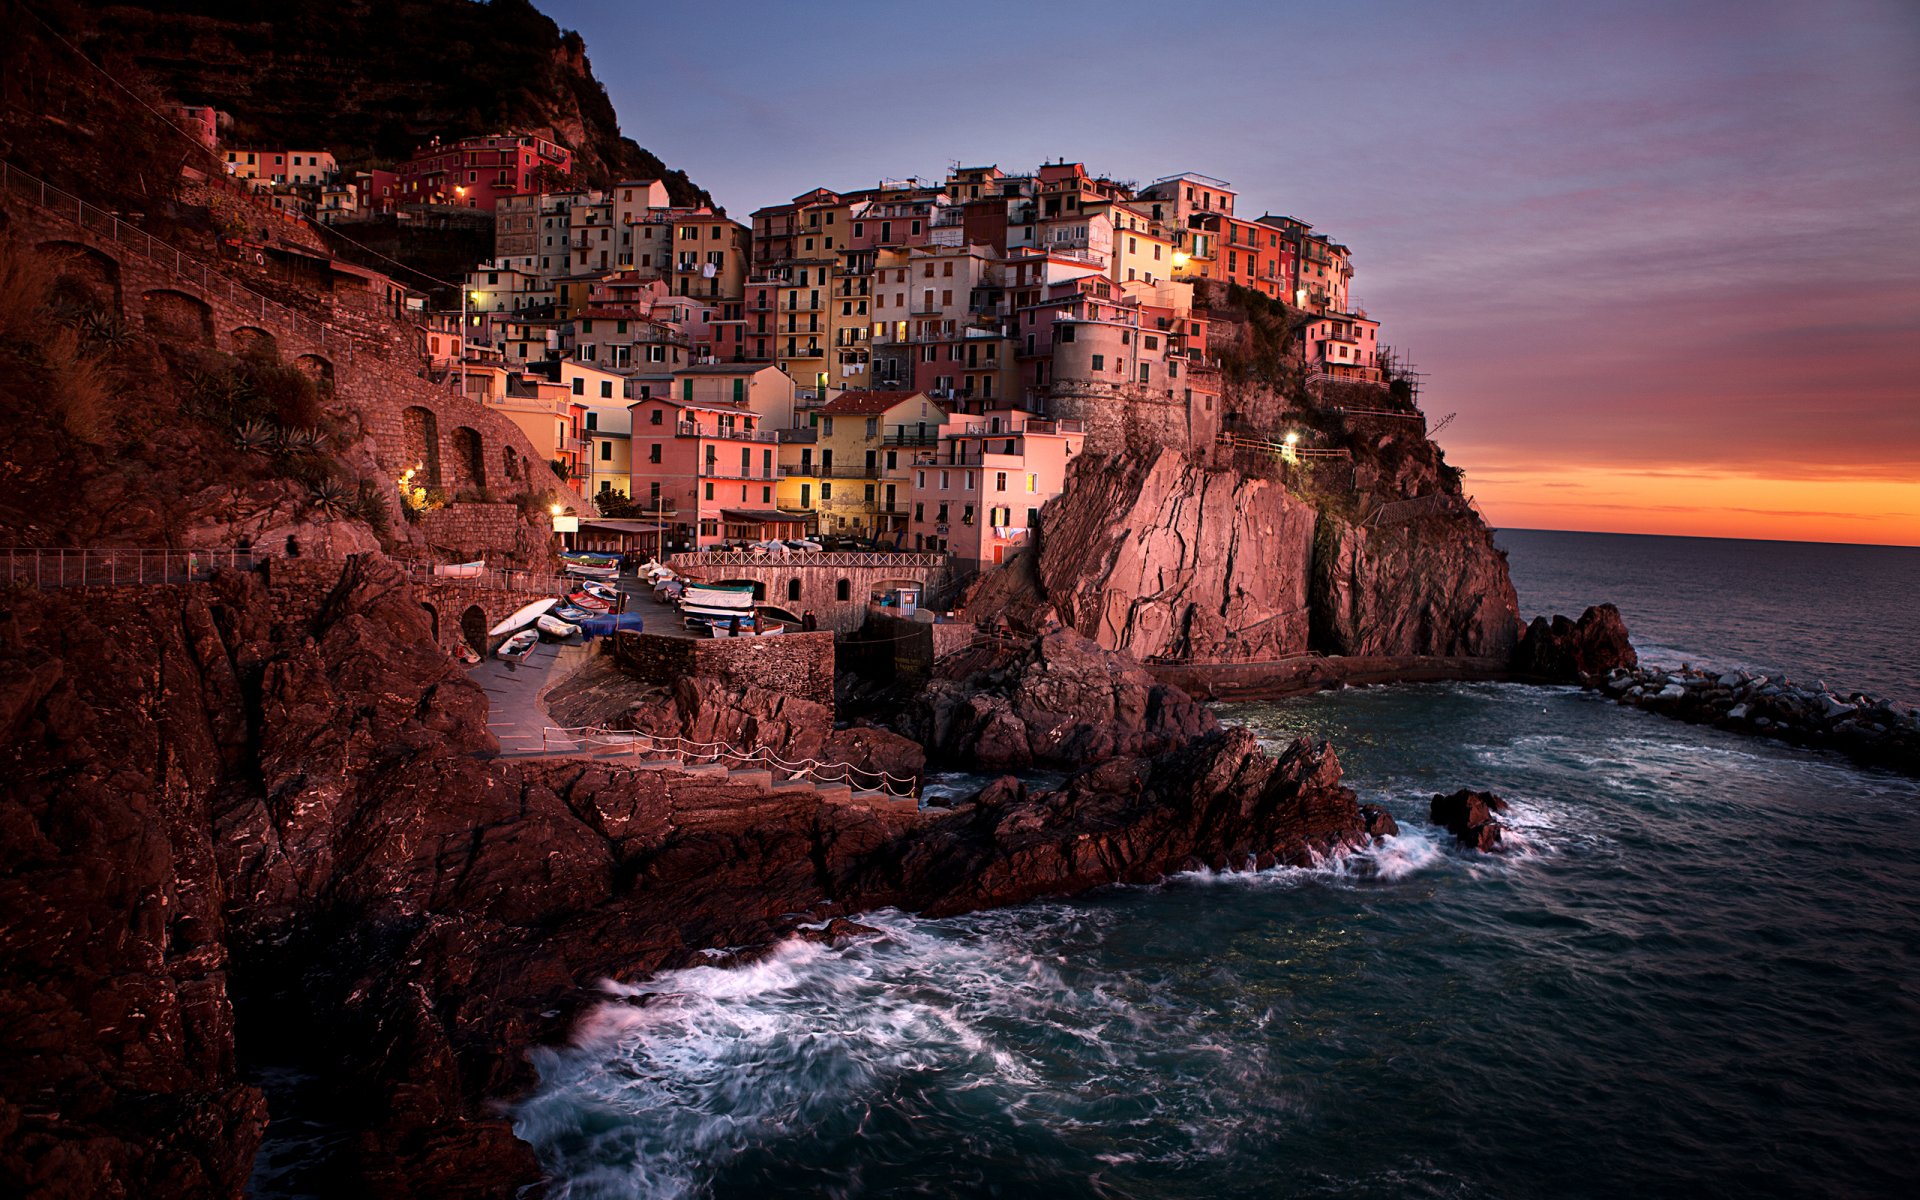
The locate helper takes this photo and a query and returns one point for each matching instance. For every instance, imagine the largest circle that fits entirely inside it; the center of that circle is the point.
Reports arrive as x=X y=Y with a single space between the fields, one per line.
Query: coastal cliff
x=256 y=821
x=1167 y=557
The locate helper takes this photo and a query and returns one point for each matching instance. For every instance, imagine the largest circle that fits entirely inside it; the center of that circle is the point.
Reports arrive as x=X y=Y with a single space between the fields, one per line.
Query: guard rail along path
x=597 y=740
x=111 y=566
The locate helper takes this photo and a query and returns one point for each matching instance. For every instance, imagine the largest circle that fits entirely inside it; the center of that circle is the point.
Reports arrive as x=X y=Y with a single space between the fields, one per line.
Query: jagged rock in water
x=1468 y=815
x=1576 y=651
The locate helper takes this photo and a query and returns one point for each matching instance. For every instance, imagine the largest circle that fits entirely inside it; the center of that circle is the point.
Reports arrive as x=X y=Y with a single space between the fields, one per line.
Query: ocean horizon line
x=1704 y=537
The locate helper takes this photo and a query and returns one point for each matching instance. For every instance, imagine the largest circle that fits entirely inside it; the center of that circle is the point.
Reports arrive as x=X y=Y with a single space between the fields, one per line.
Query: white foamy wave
x=676 y=1078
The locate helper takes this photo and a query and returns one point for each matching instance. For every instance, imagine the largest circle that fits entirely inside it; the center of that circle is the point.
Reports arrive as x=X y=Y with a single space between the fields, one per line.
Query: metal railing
x=184 y=267
x=812 y=558
x=113 y=566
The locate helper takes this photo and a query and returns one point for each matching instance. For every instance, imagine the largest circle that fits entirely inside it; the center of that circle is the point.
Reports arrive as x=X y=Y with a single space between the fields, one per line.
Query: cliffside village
x=908 y=366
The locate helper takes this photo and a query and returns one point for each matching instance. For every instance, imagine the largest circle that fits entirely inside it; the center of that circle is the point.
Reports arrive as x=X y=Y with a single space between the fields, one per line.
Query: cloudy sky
x=1662 y=259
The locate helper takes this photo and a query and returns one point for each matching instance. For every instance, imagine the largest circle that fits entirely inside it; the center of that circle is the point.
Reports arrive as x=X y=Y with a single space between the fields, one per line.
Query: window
x=653 y=418
x=793 y=589
x=842 y=590
x=606 y=389
x=606 y=451
x=1066 y=333
x=1000 y=481
x=579 y=386
x=873 y=426
x=1099 y=362
x=653 y=452
x=826 y=490
x=1033 y=482
x=739 y=391
x=709 y=491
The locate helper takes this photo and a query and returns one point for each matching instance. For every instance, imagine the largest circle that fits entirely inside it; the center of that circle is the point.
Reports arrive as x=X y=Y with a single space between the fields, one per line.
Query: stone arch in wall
x=420 y=443
x=251 y=339
x=433 y=620
x=80 y=269
x=793 y=588
x=317 y=367
x=473 y=627
x=510 y=461
x=469 y=457
x=177 y=314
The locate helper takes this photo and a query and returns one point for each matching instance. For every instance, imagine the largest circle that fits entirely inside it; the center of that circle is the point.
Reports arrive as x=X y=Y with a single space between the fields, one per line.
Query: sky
x=1661 y=259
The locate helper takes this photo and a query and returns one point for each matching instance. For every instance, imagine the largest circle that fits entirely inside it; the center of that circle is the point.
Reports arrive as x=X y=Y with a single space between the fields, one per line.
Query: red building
x=476 y=172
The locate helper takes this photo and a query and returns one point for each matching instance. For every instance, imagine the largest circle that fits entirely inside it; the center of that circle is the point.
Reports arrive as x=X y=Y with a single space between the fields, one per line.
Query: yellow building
x=864 y=462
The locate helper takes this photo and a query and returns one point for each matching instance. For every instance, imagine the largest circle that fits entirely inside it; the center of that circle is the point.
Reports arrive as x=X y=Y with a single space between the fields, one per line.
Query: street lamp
x=1290 y=451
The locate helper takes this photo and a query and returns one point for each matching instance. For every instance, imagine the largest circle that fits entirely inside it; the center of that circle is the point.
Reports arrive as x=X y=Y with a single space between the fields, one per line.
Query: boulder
x=1469 y=816
x=1580 y=651
x=1377 y=821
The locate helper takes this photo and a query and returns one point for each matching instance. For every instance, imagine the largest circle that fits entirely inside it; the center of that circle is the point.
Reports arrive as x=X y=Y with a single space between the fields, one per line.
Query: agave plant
x=104 y=329
x=304 y=440
x=254 y=435
x=333 y=499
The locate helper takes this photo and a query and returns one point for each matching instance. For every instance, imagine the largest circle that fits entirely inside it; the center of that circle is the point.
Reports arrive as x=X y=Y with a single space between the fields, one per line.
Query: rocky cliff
x=256 y=820
x=372 y=80
x=1171 y=556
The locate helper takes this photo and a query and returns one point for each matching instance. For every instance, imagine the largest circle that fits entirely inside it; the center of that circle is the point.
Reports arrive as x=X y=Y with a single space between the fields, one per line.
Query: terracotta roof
x=864 y=403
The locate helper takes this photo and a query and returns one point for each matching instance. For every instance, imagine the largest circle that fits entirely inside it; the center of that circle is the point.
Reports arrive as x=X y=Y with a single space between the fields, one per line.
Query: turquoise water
x=1696 y=974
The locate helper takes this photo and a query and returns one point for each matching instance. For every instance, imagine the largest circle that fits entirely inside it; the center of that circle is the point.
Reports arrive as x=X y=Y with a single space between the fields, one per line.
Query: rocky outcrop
x=1469 y=816
x=1164 y=558
x=1168 y=559
x=259 y=818
x=1576 y=651
x=1062 y=701
x=1436 y=586
x=1873 y=731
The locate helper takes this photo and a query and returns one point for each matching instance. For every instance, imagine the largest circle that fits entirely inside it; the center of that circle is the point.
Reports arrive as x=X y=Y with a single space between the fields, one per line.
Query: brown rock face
x=1576 y=651
x=1435 y=586
x=1160 y=557
x=1063 y=702
x=278 y=791
x=1468 y=815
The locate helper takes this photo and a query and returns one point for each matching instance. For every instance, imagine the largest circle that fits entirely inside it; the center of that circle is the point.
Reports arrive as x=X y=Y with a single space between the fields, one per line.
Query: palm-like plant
x=303 y=440
x=333 y=499
x=254 y=435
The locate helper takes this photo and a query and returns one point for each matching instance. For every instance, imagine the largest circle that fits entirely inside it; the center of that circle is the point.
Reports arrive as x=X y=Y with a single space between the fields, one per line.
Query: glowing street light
x=1290 y=452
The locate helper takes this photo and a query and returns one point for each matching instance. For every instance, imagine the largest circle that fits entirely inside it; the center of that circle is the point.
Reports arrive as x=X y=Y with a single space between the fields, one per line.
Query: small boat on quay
x=519 y=646
x=553 y=626
x=522 y=617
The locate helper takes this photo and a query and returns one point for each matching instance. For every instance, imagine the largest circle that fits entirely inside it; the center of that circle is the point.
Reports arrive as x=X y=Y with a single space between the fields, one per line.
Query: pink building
x=978 y=495
x=709 y=469
x=477 y=172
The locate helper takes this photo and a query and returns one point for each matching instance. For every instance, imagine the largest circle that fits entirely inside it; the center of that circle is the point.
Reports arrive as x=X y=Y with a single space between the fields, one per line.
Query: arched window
x=793 y=588
x=842 y=590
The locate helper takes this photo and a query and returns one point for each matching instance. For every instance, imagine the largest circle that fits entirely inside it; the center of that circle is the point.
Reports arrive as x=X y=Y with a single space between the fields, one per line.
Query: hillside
x=371 y=80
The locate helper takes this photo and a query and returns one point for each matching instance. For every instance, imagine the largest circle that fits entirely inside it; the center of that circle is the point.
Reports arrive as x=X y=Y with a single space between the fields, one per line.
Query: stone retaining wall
x=799 y=664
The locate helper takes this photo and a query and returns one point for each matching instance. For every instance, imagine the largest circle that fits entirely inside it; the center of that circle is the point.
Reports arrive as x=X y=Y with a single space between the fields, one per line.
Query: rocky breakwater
x=1168 y=558
x=259 y=820
x=1874 y=732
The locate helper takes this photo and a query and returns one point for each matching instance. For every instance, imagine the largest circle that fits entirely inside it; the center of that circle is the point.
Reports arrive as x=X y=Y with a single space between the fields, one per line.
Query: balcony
x=690 y=429
x=804 y=436
x=714 y=469
x=906 y=435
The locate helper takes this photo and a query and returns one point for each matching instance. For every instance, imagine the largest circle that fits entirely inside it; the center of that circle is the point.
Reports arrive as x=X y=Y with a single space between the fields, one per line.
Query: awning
x=760 y=517
x=620 y=525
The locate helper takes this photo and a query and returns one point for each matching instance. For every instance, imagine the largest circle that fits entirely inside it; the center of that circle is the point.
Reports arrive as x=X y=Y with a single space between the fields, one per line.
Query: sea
x=1695 y=973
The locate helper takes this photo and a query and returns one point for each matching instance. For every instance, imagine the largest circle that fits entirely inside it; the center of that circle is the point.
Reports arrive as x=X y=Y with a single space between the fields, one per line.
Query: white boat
x=591 y=571
x=519 y=645
x=555 y=627
x=465 y=570
x=707 y=595
x=524 y=616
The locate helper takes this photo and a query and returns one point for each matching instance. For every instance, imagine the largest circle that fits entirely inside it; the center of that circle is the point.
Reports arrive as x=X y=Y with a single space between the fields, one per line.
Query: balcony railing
x=720 y=470
x=690 y=429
